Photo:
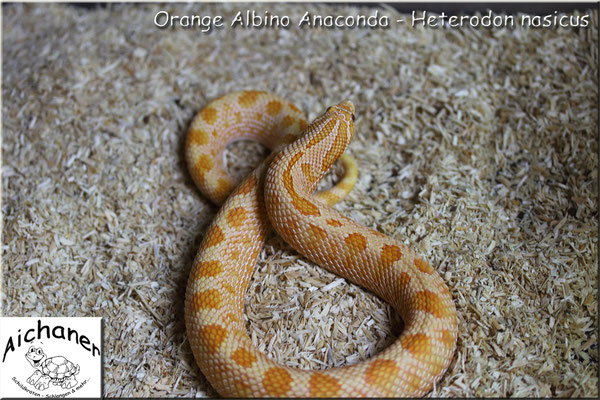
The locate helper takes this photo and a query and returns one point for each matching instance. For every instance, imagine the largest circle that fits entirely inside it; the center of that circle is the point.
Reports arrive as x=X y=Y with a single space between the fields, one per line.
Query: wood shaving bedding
x=478 y=147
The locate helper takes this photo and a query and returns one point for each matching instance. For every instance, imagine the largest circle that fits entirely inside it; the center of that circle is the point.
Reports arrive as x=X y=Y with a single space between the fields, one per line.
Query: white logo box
x=50 y=357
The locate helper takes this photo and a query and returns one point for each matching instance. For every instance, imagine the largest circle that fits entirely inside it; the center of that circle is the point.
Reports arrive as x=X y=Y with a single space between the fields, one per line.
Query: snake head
x=343 y=111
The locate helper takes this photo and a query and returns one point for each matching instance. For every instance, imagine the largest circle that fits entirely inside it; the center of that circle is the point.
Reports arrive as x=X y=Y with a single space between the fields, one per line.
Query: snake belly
x=279 y=193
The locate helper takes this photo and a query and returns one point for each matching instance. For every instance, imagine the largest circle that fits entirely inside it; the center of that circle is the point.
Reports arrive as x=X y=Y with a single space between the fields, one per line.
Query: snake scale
x=279 y=194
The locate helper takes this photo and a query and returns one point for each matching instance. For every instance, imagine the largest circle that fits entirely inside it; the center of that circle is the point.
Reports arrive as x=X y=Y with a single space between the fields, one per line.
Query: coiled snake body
x=279 y=194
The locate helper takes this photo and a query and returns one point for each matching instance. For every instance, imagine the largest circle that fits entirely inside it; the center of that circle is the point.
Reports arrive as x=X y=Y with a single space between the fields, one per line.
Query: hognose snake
x=279 y=194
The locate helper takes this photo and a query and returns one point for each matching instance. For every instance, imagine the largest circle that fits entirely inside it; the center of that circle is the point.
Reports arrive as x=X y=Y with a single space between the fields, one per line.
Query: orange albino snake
x=279 y=194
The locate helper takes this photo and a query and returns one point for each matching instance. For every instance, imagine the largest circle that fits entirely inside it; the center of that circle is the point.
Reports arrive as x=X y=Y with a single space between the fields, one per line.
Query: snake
x=280 y=194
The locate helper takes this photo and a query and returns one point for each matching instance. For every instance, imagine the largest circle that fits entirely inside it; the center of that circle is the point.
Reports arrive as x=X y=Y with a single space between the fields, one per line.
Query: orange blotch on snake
x=204 y=163
x=302 y=124
x=209 y=114
x=274 y=108
x=214 y=236
x=243 y=357
x=322 y=385
x=356 y=242
x=210 y=269
x=416 y=344
x=380 y=373
x=198 y=136
x=333 y=222
x=223 y=186
x=248 y=98
x=277 y=381
x=208 y=299
x=430 y=302
x=423 y=266
x=306 y=207
x=287 y=121
x=236 y=217
x=212 y=336
x=390 y=254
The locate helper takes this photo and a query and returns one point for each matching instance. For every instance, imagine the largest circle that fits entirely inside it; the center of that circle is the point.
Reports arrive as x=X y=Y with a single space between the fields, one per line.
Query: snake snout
x=345 y=108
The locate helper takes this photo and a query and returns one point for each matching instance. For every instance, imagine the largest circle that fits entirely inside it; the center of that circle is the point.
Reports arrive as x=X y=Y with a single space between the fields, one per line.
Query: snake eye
x=328 y=109
x=353 y=117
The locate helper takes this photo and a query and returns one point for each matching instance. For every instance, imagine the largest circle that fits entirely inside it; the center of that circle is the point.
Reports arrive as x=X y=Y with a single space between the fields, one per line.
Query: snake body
x=279 y=193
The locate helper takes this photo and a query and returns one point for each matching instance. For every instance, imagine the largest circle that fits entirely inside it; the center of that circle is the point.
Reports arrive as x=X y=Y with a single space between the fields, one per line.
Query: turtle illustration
x=57 y=370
